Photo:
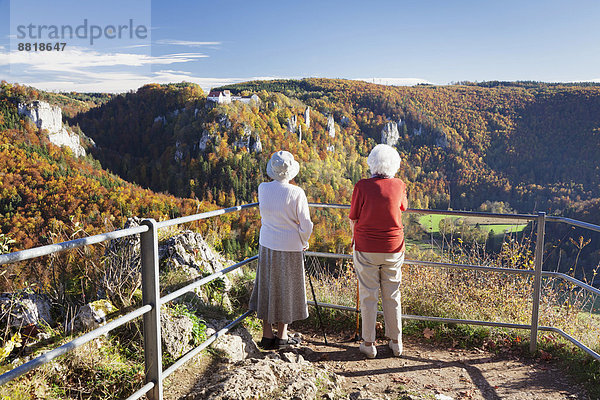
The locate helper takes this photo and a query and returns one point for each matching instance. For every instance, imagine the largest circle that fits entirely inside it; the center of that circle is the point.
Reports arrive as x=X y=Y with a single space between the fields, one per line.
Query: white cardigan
x=285 y=219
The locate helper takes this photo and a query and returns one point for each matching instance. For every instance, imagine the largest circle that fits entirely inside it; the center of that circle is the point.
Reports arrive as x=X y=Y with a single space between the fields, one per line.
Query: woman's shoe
x=284 y=343
x=269 y=343
x=369 y=351
x=396 y=348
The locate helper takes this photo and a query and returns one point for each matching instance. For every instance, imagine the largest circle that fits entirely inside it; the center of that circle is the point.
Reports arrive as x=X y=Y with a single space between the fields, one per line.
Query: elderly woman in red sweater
x=378 y=236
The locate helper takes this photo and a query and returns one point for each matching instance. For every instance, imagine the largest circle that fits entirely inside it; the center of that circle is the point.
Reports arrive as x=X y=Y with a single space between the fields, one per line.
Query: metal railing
x=152 y=302
x=150 y=310
x=537 y=272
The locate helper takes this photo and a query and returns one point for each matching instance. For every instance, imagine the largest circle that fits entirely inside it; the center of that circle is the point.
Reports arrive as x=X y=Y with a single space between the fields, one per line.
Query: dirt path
x=426 y=370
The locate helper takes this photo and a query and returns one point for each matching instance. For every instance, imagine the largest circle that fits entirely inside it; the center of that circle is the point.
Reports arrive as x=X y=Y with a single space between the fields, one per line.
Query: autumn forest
x=165 y=151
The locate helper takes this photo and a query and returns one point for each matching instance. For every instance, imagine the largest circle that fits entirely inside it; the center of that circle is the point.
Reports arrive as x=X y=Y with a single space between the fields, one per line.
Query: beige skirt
x=279 y=293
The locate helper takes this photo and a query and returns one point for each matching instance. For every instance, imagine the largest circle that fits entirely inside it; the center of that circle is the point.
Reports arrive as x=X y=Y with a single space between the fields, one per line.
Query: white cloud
x=123 y=82
x=186 y=43
x=169 y=76
x=110 y=85
x=81 y=69
x=87 y=70
x=77 y=60
x=394 y=81
x=135 y=46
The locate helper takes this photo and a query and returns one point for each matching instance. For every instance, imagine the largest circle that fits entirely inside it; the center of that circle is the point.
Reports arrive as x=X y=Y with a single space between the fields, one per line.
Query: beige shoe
x=369 y=351
x=396 y=348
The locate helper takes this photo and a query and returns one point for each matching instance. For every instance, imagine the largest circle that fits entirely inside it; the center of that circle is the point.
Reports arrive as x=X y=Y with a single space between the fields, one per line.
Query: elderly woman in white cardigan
x=279 y=294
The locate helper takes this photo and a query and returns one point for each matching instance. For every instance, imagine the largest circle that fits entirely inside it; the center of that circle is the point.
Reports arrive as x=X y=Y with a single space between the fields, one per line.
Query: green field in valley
x=431 y=223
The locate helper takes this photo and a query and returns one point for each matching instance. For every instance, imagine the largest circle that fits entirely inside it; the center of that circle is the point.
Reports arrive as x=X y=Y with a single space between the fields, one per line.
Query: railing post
x=151 y=295
x=537 y=281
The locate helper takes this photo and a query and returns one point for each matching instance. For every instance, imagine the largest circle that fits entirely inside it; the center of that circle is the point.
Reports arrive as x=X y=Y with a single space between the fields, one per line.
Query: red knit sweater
x=377 y=205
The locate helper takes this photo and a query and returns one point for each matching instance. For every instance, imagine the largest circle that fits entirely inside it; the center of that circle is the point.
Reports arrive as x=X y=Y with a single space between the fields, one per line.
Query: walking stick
x=312 y=289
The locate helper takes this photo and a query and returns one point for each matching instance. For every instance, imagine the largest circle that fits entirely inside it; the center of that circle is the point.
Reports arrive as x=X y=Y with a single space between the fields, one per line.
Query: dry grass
x=96 y=370
x=467 y=294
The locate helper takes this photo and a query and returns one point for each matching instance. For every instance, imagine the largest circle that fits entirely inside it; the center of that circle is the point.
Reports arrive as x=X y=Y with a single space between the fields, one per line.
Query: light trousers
x=377 y=271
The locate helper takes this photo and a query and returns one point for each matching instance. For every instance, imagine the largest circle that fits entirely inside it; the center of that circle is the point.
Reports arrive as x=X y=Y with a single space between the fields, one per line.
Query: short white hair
x=384 y=160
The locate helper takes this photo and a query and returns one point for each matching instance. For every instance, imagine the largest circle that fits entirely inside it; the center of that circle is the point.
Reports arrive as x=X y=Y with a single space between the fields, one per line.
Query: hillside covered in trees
x=48 y=195
x=526 y=146
x=534 y=146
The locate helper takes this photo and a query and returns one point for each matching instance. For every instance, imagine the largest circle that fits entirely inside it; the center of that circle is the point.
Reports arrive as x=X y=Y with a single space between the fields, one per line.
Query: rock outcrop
x=248 y=140
x=178 y=156
x=442 y=141
x=307 y=117
x=49 y=117
x=285 y=376
x=255 y=144
x=224 y=121
x=236 y=345
x=21 y=309
x=178 y=337
x=190 y=256
x=292 y=123
x=204 y=140
x=331 y=126
x=390 y=134
x=189 y=252
x=44 y=115
x=176 y=333
x=91 y=316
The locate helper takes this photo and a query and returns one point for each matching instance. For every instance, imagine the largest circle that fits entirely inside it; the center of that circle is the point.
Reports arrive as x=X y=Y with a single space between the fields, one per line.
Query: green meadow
x=431 y=223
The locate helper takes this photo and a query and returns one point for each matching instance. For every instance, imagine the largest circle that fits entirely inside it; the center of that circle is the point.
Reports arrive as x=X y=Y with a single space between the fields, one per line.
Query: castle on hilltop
x=225 y=97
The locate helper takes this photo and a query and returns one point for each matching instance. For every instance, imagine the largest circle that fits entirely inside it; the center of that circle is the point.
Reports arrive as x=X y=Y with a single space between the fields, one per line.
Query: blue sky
x=221 y=41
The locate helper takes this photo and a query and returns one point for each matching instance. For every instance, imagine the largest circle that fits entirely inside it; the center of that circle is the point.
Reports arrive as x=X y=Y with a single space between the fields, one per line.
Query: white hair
x=384 y=160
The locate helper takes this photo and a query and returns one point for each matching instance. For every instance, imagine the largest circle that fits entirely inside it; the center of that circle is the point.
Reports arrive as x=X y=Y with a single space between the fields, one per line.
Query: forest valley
x=165 y=150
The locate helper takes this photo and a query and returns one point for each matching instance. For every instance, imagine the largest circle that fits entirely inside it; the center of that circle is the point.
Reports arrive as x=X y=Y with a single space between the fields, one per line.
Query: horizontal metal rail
x=323 y=205
x=103 y=237
x=142 y=391
x=192 y=353
x=574 y=341
x=431 y=319
x=208 y=214
x=573 y=281
x=188 y=288
x=574 y=222
x=527 y=217
x=472 y=322
x=73 y=344
x=71 y=244
x=477 y=214
x=434 y=264
x=471 y=267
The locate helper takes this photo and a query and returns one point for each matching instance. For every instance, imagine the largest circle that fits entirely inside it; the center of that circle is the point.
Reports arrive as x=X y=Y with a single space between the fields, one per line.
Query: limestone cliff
x=292 y=123
x=49 y=117
x=307 y=117
x=331 y=126
x=390 y=134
